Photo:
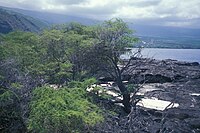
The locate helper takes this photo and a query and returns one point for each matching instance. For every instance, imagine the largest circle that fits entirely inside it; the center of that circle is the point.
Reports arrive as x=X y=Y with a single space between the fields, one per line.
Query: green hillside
x=10 y=21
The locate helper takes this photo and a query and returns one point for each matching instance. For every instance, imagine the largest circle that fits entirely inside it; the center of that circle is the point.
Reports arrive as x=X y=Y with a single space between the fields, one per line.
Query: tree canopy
x=114 y=37
x=66 y=56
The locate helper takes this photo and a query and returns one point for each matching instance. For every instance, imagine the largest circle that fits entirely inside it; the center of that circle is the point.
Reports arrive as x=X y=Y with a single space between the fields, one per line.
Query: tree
x=16 y=54
x=25 y=57
x=114 y=37
x=78 y=39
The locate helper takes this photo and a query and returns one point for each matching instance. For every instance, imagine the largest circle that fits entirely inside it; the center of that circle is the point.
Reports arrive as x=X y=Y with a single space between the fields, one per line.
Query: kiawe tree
x=114 y=37
x=79 y=39
x=24 y=57
x=58 y=56
x=75 y=39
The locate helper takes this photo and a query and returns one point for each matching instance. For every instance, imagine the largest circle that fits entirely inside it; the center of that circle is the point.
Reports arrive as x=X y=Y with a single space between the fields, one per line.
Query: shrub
x=10 y=112
x=63 y=110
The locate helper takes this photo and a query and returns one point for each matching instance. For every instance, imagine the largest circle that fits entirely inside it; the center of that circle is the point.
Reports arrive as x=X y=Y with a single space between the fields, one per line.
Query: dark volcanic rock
x=157 y=78
x=105 y=79
x=169 y=80
x=194 y=123
x=187 y=63
x=183 y=113
x=154 y=71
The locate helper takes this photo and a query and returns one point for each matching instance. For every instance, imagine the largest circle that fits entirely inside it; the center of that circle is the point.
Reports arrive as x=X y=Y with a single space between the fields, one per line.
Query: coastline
x=167 y=82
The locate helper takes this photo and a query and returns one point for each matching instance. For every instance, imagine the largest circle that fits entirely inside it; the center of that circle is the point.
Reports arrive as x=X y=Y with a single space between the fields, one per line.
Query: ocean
x=188 y=55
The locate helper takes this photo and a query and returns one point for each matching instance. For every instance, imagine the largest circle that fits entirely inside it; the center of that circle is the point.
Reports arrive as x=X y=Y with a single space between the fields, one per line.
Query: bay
x=188 y=55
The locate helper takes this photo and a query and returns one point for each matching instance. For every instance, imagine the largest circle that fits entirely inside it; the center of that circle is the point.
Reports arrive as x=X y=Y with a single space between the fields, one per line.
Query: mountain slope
x=53 y=18
x=10 y=20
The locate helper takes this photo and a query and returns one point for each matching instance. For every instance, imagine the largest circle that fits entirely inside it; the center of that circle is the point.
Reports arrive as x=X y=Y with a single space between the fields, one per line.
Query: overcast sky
x=182 y=13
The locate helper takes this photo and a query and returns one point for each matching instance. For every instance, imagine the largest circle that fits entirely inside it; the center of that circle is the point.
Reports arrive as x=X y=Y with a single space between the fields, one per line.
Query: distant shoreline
x=164 y=48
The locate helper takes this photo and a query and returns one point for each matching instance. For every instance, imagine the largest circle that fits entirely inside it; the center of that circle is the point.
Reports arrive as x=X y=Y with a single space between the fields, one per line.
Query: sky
x=178 y=13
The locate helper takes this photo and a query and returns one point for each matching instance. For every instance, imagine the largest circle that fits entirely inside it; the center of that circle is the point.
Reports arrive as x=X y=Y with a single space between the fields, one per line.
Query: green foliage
x=6 y=97
x=87 y=83
x=20 y=47
x=63 y=110
x=131 y=88
x=116 y=35
x=61 y=55
x=10 y=114
x=43 y=56
x=100 y=92
x=16 y=85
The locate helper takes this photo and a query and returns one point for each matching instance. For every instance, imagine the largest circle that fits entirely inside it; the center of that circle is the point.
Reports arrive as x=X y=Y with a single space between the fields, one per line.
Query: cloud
x=178 y=24
x=187 y=9
x=144 y=3
x=96 y=9
x=65 y=2
x=184 y=13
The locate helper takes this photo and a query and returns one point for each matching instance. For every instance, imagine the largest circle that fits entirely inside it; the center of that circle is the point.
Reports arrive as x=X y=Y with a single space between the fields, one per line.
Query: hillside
x=10 y=20
x=54 y=18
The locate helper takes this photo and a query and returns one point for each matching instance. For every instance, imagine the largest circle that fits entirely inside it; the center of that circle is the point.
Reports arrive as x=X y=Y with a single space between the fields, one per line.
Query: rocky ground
x=176 y=82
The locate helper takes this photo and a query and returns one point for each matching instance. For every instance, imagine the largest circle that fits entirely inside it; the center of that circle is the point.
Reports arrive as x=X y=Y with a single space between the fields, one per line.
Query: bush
x=10 y=113
x=63 y=110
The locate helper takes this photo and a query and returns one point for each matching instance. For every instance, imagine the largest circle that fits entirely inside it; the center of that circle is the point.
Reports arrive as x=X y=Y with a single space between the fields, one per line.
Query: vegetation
x=114 y=37
x=10 y=112
x=66 y=57
x=63 y=110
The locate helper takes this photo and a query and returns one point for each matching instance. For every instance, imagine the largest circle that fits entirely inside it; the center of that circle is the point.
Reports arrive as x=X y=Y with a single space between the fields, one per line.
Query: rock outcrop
x=169 y=80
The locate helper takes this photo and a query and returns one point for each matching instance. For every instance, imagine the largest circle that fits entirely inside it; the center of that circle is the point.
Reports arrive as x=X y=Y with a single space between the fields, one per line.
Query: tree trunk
x=126 y=96
x=126 y=103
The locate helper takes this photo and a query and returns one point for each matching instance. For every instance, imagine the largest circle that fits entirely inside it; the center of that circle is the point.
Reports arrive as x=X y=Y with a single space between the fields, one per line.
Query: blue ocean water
x=189 y=55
